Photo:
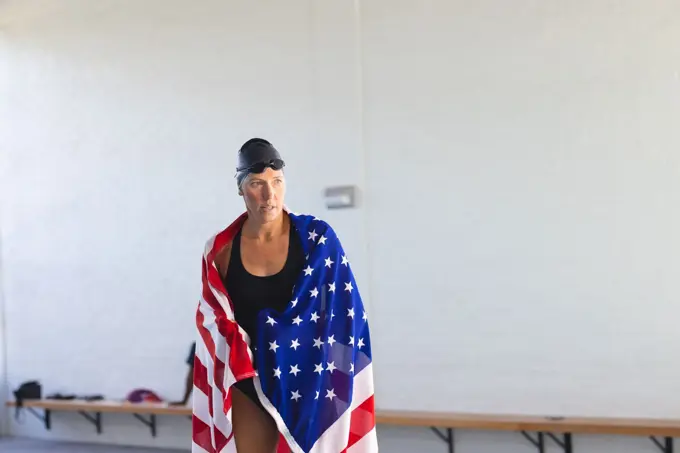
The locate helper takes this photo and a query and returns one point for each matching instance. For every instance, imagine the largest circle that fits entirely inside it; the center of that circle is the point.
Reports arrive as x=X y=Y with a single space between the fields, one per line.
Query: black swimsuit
x=250 y=293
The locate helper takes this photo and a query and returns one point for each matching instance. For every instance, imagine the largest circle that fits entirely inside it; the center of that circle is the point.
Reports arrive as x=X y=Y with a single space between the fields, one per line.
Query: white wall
x=521 y=161
x=122 y=121
x=537 y=264
x=3 y=367
x=539 y=146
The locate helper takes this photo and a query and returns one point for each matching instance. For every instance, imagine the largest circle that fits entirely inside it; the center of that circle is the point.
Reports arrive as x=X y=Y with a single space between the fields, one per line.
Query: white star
x=295 y=344
x=318 y=342
x=350 y=313
x=297 y=320
x=270 y=320
x=331 y=287
x=294 y=370
x=345 y=261
x=312 y=235
x=318 y=368
x=309 y=270
x=348 y=287
x=331 y=367
x=351 y=368
x=317 y=395
x=277 y=372
x=273 y=346
x=295 y=396
x=360 y=344
x=365 y=317
x=330 y=394
x=351 y=341
x=322 y=240
x=314 y=292
x=329 y=261
x=332 y=315
x=331 y=340
x=314 y=317
x=294 y=302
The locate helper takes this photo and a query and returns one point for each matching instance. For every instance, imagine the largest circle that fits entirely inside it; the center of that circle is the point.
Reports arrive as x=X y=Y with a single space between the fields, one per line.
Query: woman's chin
x=269 y=215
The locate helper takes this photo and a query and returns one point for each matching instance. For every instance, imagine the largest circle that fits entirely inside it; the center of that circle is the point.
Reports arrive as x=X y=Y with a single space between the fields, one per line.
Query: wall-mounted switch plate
x=340 y=197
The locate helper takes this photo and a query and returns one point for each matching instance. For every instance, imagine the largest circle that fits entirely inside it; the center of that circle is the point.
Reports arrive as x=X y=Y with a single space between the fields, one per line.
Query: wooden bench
x=558 y=429
x=92 y=411
x=534 y=428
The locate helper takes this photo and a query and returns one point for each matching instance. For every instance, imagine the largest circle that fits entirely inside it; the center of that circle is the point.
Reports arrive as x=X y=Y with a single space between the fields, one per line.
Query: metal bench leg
x=666 y=447
x=565 y=443
x=45 y=417
x=96 y=420
x=538 y=442
x=448 y=437
x=151 y=422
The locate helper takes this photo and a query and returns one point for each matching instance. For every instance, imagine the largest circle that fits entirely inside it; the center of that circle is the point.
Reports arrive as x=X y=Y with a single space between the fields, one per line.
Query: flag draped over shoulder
x=314 y=369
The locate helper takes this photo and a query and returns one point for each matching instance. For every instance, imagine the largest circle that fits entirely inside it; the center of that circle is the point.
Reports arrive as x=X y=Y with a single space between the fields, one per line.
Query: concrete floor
x=17 y=445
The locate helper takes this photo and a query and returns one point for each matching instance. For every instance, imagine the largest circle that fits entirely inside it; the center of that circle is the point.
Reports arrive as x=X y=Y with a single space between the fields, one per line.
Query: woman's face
x=264 y=193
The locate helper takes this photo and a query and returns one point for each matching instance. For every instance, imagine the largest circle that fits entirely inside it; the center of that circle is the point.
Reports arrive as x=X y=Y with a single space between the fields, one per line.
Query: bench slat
x=491 y=422
x=106 y=406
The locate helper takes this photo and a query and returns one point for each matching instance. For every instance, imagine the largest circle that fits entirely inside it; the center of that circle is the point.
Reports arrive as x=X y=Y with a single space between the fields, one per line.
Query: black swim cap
x=254 y=156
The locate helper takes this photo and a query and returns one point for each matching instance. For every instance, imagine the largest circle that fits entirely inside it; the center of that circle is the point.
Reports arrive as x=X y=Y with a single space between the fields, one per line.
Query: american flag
x=311 y=364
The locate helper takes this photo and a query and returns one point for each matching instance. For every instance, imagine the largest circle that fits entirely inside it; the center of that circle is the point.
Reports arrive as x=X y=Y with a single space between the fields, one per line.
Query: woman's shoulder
x=217 y=252
x=310 y=224
x=223 y=238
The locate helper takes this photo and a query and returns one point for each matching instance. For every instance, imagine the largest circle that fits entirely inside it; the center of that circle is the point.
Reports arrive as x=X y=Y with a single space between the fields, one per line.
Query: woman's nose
x=267 y=192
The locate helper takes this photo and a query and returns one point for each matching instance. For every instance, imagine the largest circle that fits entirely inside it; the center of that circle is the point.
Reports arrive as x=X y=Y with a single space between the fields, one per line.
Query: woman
x=284 y=358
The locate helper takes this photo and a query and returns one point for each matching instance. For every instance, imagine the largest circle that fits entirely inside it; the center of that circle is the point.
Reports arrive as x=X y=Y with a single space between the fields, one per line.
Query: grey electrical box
x=340 y=197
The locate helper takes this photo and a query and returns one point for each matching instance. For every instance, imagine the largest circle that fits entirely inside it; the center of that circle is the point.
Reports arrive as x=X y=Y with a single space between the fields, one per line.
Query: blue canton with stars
x=308 y=355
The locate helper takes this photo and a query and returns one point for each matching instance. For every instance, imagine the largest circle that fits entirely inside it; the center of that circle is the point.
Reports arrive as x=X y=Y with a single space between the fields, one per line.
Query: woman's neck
x=265 y=232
